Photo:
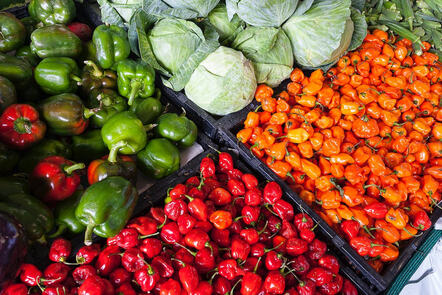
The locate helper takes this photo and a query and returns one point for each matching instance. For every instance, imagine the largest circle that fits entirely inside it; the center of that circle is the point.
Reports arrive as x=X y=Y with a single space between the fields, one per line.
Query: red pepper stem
x=22 y=125
x=135 y=88
x=162 y=224
x=88 y=233
x=70 y=169
x=184 y=247
x=368 y=231
x=114 y=151
x=213 y=276
x=264 y=228
x=96 y=71
x=255 y=269
x=274 y=248
x=408 y=232
x=234 y=286
x=179 y=260
x=189 y=198
x=148 y=236
x=214 y=149
x=59 y=231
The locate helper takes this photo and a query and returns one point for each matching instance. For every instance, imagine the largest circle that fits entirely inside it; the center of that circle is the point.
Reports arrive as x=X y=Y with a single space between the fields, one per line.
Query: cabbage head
x=270 y=51
x=227 y=29
x=223 y=83
x=202 y=7
x=322 y=34
x=173 y=41
x=262 y=13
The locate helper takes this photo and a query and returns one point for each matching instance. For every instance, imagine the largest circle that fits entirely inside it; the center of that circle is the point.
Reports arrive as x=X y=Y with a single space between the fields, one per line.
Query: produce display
x=360 y=143
x=220 y=233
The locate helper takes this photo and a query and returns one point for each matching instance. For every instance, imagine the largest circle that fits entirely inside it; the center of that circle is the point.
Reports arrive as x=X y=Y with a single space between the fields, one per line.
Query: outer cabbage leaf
x=263 y=13
x=270 y=51
x=360 y=30
x=320 y=34
x=227 y=29
x=223 y=83
x=202 y=7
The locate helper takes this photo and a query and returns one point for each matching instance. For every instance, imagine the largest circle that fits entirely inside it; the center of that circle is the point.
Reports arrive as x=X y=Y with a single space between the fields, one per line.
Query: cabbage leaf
x=360 y=30
x=201 y=7
x=227 y=29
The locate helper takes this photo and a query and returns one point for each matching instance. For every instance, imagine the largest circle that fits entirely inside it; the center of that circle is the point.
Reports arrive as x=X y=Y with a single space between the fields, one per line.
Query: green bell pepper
x=36 y=217
x=12 y=32
x=10 y=185
x=106 y=206
x=135 y=79
x=26 y=53
x=112 y=45
x=14 y=68
x=88 y=146
x=123 y=133
x=8 y=159
x=94 y=80
x=52 y=12
x=107 y=104
x=57 y=75
x=177 y=128
x=55 y=41
x=100 y=169
x=8 y=95
x=89 y=52
x=147 y=109
x=45 y=148
x=64 y=214
x=159 y=159
x=30 y=92
x=64 y=114
x=30 y=24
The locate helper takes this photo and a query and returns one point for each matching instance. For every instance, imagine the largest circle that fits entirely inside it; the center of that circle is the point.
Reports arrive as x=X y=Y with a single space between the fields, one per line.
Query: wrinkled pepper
x=107 y=104
x=55 y=178
x=101 y=168
x=8 y=159
x=57 y=75
x=177 y=128
x=112 y=45
x=14 y=68
x=135 y=79
x=12 y=32
x=147 y=109
x=106 y=206
x=94 y=80
x=124 y=133
x=8 y=94
x=159 y=159
x=55 y=41
x=64 y=215
x=421 y=221
x=20 y=126
x=64 y=114
x=88 y=146
x=52 y=12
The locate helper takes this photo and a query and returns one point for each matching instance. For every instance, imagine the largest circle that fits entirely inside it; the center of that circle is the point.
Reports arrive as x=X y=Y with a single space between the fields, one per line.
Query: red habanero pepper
x=272 y=192
x=83 y=272
x=320 y=276
x=251 y=284
x=127 y=238
x=301 y=265
x=170 y=233
x=207 y=168
x=225 y=162
x=229 y=269
x=333 y=287
x=221 y=219
x=250 y=181
x=151 y=247
x=29 y=274
x=55 y=178
x=20 y=126
x=295 y=246
x=348 y=288
x=147 y=277
x=55 y=273
x=108 y=260
x=316 y=249
x=132 y=259
x=170 y=287
x=329 y=262
x=284 y=210
x=126 y=289
x=306 y=287
x=198 y=208
x=421 y=221
x=250 y=214
x=253 y=197
x=178 y=191
x=15 y=289
x=350 y=228
x=303 y=221
x=175 y=208
x=197 y=239
x=189 y=278
x=164 y=266
x=119 y=277
x=55 y=290
x=376 y=210
x=145 y=225
x=274 y=283
x=186 y=223
x=60 y=250
x=96 y=286
x=87 y=254
x=205 y=259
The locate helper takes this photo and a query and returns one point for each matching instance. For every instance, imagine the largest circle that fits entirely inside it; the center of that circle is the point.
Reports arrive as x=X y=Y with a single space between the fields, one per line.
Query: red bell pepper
x=421 y=221
x=376 y=210
x=55 y=178
x=20 y=126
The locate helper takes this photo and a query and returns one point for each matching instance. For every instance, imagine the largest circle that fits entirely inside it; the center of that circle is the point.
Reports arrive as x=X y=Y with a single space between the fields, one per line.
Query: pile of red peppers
x=220 y=233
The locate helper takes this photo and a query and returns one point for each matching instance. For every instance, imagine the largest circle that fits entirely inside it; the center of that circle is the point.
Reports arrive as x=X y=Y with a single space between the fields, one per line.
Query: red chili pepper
x=251 y=284
x=126 y=289
x=329 y=262
x=178 y=191
x=205 y=226
x=186 y=223
x=29 y=274
x=132 y=259
x=175 y=208
x=307 y=235
x=220 y=196
x=361 y=244
x=225 y=162
x=250 y=181
x=55 y=273
x=207 y=168
x=55 y=290
x=204 y=288
x=257 y=250
x=350 y=228
x=147 y=278
x=60 y=250
x=15 y=289
x=55 y=178
x=194 y=181
x=295 y=246
x=239 y=249
x=288 y=230
x=87 y=254
x=170 y=233
x=273 y=260
x=306 y=287
x=250 y=235
x=163 y=265
x=119 y=277
x=220 y=236
x=320 y=276
x=196 y=193
x=83 y=31
x=421 y=221
x=253 y=197
x=303 y=221
x=157 y=213
x=96 y=286
x=205 y=259
x=20 y=126
x=316 y=249
x=198 y=208
x=151 y=247
x=272 y=192
x=236 y=187
x=222 y=285
x=221 y=219
x=250 y=214
x=284 y=210
x=108 y=260
x=170 y=287
x=83 y=272
x=274 y=283
x=334 y=287
x=229 y=269
x=145 y=225
x=376 y=210
x=348 y=288
x=197 y=239
x=189 y=278
x=300 y=265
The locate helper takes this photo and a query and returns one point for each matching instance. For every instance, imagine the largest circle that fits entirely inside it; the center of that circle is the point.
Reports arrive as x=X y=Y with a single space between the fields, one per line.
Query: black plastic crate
x=378 y=282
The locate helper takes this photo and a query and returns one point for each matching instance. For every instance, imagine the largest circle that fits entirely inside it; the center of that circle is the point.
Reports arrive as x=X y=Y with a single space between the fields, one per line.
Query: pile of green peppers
x=99 y=107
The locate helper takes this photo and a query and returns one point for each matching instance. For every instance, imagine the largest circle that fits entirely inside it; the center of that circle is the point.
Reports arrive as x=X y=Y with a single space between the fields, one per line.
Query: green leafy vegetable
x=360 y=29
x=226 y=29
x=201 y=7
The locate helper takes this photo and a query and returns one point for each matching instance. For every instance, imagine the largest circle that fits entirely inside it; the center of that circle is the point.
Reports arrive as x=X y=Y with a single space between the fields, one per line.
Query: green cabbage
x=223 y=83
x=262 y=13
x=202 y=7
x=270 y=51
x=322 y=34
x=227 y=30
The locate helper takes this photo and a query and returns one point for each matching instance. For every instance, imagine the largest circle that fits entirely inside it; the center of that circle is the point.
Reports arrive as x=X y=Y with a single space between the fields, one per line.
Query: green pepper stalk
x=95 y=80
x=107 y=104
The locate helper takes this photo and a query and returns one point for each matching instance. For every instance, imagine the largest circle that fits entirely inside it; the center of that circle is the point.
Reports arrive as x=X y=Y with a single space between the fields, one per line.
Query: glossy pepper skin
x=55 y=41
x=159 y=159
x=10 y=185
x=135 y=79
x=106 y=206
x=55 y=178
x=107 y=104
x=26 y=53
x=88 y=146
x=8 y=159
x=45 y=148
x=13 y=32
x=52 y=12
x=112 y=45
x=35 y=217
x=8 y=94
x=20 y=126
x=101 y=169
x=15 y=69
x=147 y=109
x=64 y=114
x=124 y=133
x=57 y=75
x=64 y=214
x=177 y=128
x=94 y=80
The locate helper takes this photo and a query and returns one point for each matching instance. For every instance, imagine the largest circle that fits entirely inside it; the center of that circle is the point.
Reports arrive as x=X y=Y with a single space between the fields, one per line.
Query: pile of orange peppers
x=361 y=143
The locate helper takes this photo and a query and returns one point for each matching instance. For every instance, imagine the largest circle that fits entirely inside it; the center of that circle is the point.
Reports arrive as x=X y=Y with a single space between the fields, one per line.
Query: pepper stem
x=87 y=113
x=72 y=168
x=135 y=88
x=59 y=231
x=96 y=71
x=76 y=78
x=114 y=151
x=22 y=125
x=149 y=127
x=88 y=234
